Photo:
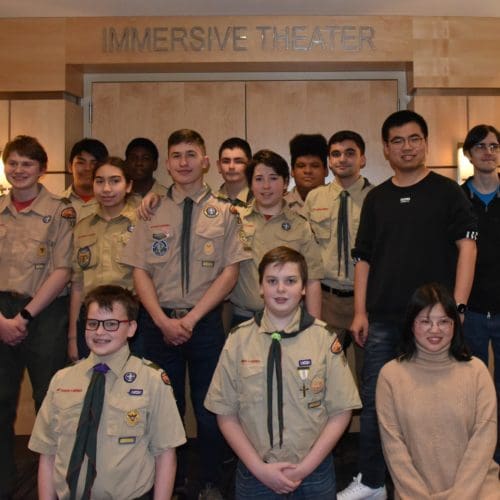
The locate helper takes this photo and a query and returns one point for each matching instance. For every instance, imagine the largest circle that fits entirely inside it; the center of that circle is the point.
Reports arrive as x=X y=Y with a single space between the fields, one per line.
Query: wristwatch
x=26 y=315
x=461 y=308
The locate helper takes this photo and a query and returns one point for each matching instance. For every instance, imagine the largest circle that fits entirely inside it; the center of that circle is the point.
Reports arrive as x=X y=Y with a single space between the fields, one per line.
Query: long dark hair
x=428 y=296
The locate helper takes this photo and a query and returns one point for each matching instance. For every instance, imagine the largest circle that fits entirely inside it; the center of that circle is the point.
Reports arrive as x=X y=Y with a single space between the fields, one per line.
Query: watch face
x=461 y=308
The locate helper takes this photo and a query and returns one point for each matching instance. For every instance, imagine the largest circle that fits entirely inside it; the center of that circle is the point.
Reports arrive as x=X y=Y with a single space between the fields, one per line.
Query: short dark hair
x=308 y=145
x=347 y=135
x=270 y=159
x=281 y=255
x=400 y=118
x=186 y=135
x=143 y=142
x=477 y=134
x=429 y=295
x=106 y=295
x=25 y=145
x=92 y=146
x=116 y=162
x=236 y=142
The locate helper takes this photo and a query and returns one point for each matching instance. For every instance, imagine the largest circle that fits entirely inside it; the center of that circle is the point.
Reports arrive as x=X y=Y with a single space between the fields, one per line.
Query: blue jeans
x=200 y=355
x=480 y=330
x=319 y=485
x=381 y=347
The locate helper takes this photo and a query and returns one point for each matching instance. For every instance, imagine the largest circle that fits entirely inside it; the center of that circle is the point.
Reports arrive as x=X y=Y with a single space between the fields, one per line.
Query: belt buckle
x=180 y=313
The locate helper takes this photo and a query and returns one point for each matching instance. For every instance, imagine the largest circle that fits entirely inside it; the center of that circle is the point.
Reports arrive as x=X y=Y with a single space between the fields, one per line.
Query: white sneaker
x=359 y=491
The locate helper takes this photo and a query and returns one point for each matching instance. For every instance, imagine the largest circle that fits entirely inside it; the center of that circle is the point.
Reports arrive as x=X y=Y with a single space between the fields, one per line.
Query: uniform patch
x=46 y=219
x=207 y=263
x=42 y=250
x=159 y=236
x=127 y=440
x=130 y=228
x=314 y=404
x=211 y=211
x=286 y=226
x=135 y=392
x=39 y=266
x=132 y=417
x=69 y=214
x=208 y=248
x=317 y=385
x=83 y=257
x=160 y=248
x=336 y=346
x=164 y=378
x=305 y=362
x=129 y=377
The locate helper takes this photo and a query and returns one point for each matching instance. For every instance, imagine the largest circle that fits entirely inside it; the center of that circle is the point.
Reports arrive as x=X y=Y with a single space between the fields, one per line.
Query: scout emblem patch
x=317 y=385
x=129 y=377
x=132 y=417
x=83 y=257
x=211 y=212
x=46 y=219
x=336 y=346
x=160 y=248
x=42 y=250
x=165 y=378
x=70 y=214
x=286 y=226
x=208 y=248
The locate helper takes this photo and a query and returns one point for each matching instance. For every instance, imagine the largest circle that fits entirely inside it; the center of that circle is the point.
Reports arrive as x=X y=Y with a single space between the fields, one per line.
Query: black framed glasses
x=110 y=325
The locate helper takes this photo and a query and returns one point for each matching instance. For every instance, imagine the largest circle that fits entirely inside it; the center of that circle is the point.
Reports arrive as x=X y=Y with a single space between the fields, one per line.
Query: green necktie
x=185 y=236
x=343 y=232
x=86 y=434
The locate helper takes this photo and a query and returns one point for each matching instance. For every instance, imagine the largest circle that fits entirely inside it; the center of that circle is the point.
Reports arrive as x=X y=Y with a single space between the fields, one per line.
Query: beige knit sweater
x=437 y=420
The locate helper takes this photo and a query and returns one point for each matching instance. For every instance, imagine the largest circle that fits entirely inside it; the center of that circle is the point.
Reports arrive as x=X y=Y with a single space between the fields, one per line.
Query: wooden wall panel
x=446 y=118
x=4 y=137
x=123 y=111
x=484 y=109
x=276 y=111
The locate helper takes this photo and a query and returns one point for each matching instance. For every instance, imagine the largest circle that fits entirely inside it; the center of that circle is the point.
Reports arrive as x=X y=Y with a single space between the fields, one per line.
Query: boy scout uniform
x=317 y=385
x=158 y=189
x=33 y=243
x=295 y=202
x=259 y=236
x=322 y=207
x=82 y=208
x=99 y=244
x=139 y=421
x=243 y=199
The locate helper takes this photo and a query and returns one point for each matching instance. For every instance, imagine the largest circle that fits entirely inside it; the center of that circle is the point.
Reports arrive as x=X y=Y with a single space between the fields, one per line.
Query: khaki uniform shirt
x=261 y=235
x=155 y=246
x=158 y=189
x=322 y=206
x=34 y=242
x=295 y=202
x=139 y=421
x=99 y=245
x=82 y=208
x=243 y=199
x=239 y=386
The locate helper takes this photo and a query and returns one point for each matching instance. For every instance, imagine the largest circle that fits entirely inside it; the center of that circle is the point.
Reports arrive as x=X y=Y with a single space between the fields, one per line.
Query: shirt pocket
x=160 y=248
x=37 y=252
x=253 y=384
x=316 y=387
x=68 y=407
x=87 y=252
x=208 y=247
x=321 y=224
x=127 y=418
x=247 y=233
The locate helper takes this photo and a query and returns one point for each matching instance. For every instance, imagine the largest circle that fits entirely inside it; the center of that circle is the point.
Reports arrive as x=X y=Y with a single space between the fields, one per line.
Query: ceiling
x=99 y=8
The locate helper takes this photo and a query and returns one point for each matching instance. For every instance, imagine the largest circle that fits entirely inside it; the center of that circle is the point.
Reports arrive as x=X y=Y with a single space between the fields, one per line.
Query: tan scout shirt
x=82 y=208
x=295 y=202
x=155 y=246
x=239 y=386
x=139 y=421
x=260 y=236
x=158 y=189
x=99 y=246
x=34 y=242
x=322 y=206
x=243 y=199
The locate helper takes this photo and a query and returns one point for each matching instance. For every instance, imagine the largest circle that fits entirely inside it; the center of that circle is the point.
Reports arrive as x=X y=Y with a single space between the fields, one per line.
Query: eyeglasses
x=413 y=141
x=110 y=325
x=425 y=324
x=482 y=147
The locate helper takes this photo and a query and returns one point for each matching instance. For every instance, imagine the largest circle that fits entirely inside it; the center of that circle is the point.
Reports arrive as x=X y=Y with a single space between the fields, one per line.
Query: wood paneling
x=484 y=109
x=276 y=111
x=446 y=117
x=123 y=111
x=25 y=409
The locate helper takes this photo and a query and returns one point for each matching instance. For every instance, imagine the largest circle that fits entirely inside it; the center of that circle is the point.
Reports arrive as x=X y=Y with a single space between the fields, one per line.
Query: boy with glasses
x=416 y=227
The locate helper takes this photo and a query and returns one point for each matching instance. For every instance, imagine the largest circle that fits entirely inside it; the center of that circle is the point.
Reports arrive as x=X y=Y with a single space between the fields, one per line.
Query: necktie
x=86 y=434
x=343 y=233
x=185 y=236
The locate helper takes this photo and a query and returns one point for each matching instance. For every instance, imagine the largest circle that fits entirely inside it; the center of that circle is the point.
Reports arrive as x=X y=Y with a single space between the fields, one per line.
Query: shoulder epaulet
x=151 y=364
x=65 y=200
x=239 y=326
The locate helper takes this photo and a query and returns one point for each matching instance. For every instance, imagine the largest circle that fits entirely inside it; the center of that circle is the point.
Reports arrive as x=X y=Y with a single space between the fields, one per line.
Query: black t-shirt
x=408 y=235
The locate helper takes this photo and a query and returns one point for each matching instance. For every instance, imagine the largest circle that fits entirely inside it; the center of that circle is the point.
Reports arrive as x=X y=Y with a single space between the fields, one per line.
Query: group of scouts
x=299 y=272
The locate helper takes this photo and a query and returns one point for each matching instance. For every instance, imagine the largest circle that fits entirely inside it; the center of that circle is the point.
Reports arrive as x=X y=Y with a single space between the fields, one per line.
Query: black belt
x=177 y=313
x=15 y=295
x=337 y=292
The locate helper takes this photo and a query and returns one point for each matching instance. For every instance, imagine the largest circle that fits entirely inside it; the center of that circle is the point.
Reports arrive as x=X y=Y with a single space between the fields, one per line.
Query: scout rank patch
x=210 y=211
x=46 y=219
x=83 y=257
x=42 y=250
x=286 y=226
x=132 y=417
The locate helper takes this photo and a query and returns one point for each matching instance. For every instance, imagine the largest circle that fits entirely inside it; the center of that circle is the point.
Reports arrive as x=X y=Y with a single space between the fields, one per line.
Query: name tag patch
x=126 y=440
